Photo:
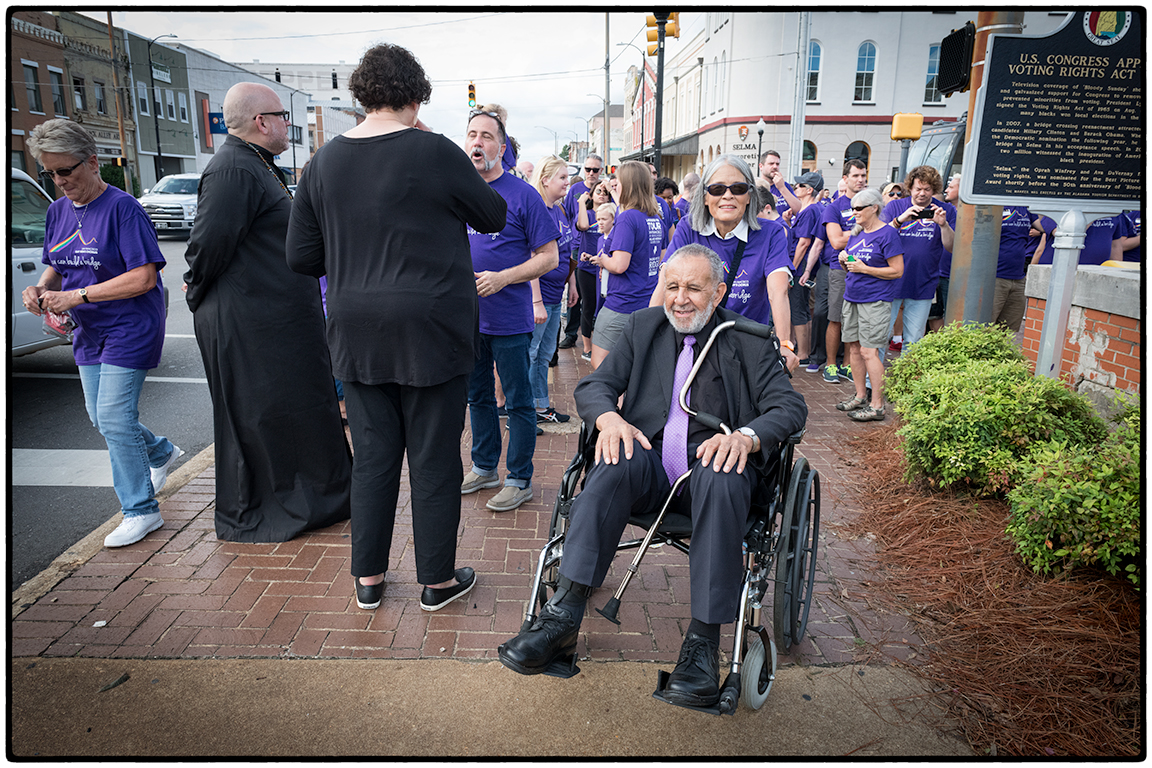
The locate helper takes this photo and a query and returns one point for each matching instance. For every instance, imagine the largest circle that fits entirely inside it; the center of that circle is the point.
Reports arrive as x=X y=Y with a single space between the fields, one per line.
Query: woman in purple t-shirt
x=873 y=259
x=638 y=242
x=103 y=268
x=551 y=181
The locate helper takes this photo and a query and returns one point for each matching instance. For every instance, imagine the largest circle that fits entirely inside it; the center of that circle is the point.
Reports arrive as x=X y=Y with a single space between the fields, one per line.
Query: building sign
x=1058 y=121
x=161 y=72
x=216 y=123
x=744 y=148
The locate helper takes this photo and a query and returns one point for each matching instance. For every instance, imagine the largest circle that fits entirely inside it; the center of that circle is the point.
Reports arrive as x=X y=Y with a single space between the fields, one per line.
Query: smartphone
x=810 y=283
x=927 y=213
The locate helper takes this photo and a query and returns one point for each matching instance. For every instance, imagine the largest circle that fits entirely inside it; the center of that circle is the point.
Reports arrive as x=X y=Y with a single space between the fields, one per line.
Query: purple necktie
x=675 y=449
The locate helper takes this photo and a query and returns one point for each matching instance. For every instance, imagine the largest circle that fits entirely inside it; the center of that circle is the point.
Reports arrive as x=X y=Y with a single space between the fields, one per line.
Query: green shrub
x=953 y=345
x=1080 y=505
x=969 y=425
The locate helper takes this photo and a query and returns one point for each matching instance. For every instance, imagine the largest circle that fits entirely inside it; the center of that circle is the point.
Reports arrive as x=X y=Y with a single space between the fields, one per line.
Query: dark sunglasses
x=62 y=173
x=895 y=193
x=861 y=207
x=282 y=114
x=592 y=170
x=718 y=190
x=477 y=112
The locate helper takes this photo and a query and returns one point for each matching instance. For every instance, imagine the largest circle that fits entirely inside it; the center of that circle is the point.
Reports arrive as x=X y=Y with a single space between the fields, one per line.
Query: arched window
x=808 y=161
x=857 y=150
x=865 y=72
x=814 y=52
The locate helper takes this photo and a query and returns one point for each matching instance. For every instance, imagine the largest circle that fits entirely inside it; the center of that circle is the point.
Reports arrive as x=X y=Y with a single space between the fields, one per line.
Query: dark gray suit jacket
x=643 y=363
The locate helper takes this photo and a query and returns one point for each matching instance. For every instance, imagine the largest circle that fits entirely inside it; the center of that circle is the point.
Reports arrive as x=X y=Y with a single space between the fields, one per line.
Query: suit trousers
x=386 y=420
x=718 y=502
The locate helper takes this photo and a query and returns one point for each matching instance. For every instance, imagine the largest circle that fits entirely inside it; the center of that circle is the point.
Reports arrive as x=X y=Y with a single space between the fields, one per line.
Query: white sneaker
x=160 y=474
x=132 y=529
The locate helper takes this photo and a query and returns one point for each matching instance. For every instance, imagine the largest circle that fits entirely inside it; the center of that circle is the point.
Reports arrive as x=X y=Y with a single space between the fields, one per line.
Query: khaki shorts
x=836 y=278
x=609 y=325
x=866 y=323
x=1008 y=303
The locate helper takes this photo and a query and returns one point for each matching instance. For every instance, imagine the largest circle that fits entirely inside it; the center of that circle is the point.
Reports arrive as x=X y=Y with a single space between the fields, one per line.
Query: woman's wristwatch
x=748 y=431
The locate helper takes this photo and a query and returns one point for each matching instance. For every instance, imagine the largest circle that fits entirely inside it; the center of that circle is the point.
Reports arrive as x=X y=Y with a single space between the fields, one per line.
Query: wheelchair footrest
x=662 y=683
x=563 y=667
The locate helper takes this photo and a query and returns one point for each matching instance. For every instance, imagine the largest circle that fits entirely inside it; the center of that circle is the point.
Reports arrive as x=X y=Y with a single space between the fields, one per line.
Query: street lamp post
x=555 y=140
x=760 y=125
x=157 y=106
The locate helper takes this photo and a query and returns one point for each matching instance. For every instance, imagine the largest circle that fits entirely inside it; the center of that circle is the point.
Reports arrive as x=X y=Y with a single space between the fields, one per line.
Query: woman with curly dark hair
x=383 y=211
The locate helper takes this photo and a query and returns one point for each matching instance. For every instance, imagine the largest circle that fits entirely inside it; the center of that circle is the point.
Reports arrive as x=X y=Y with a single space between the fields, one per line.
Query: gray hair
x=594 y=157
x=698 y=214
x=61 y=137
x=716 y=266
x=862 y=198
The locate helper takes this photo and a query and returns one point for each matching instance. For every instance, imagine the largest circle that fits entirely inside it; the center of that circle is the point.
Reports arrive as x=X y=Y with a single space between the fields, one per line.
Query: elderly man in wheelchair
x=648 y=448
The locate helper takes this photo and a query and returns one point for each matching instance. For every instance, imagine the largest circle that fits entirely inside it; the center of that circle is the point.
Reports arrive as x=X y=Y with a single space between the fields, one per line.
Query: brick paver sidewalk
x=181 y=593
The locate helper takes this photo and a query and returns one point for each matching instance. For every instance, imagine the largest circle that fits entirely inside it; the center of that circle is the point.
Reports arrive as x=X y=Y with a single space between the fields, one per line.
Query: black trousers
x=719 y=503
x=586 y=284
x=386 y=420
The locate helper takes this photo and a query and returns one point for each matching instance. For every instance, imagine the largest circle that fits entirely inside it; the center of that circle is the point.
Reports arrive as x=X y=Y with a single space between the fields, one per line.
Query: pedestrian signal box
x=907 y=125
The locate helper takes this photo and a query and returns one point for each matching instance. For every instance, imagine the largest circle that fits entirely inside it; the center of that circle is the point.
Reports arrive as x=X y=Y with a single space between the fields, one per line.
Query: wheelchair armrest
x=796 y=437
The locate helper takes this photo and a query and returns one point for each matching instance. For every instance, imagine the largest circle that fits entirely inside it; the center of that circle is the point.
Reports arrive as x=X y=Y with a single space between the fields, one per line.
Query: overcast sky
x=545 y=67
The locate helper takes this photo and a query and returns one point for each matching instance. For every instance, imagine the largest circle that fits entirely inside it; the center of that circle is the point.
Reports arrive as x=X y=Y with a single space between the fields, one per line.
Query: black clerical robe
x=282 y=463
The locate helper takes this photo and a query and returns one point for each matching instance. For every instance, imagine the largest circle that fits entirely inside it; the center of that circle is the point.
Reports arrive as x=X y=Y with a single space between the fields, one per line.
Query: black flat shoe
x=552 y=636
x=368 y=597
x=696 y=680
x=435 y=599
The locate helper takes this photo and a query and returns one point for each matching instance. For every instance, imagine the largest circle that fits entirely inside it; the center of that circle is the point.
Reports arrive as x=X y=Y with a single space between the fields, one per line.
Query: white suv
x=171 y=204
x=26 y=228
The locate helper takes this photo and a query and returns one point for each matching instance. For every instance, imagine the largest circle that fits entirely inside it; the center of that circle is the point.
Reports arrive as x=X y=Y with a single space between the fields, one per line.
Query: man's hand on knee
x=614 y=431
x=725 y=452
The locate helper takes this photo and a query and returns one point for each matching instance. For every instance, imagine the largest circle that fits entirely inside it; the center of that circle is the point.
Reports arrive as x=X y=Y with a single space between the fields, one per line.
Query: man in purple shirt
x=838 y=222
x=786 y=199
x=505 y=263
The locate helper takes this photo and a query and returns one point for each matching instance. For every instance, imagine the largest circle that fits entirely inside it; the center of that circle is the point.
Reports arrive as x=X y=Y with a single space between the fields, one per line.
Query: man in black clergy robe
x=282 y=463
x=741 y=381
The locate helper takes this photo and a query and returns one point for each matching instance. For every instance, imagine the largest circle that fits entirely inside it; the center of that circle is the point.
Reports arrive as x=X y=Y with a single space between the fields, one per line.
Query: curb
x=82 y=551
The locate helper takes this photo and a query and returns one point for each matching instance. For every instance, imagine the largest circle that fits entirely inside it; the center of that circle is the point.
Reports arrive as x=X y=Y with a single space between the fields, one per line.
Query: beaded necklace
x=279 y=180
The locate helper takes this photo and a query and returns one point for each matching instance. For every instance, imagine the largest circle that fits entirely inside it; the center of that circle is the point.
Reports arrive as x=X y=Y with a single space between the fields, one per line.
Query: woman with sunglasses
x=892 y=191
x=722 y=216
x=587 y=205
x=104 y=270
x=638 y=242
x=874 y=260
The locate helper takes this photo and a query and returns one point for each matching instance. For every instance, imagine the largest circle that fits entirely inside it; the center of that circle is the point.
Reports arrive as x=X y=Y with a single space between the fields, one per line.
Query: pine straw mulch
x=1030 y=665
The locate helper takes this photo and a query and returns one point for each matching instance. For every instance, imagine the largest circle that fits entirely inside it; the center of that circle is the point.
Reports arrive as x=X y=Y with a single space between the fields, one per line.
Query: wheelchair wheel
x=758 y=673
x=784 y=594
x=807 y=506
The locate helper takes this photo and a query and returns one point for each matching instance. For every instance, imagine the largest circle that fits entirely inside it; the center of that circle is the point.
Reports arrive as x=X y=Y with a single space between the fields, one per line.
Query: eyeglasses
x=62 y=173
x=717 y=190
x=477 y=112
x=282 y=113
x=592 y=170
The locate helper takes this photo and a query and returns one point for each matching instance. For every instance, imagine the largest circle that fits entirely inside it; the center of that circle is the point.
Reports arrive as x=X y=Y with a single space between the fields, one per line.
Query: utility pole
x=973 y=283
x=796 y=139
x=607 y=97
x=119 y=115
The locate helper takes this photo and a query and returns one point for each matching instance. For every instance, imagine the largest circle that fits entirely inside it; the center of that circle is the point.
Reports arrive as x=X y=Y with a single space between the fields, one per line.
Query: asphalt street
x=60 y=488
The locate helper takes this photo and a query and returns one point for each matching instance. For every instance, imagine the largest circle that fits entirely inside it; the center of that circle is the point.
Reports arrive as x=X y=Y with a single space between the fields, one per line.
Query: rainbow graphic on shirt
x=72 y=237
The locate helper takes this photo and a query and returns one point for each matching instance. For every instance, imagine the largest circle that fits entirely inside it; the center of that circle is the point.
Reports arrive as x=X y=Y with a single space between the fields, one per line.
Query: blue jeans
x=540 y=351
x=510 y=354
x=112 y=398
x=915 y=318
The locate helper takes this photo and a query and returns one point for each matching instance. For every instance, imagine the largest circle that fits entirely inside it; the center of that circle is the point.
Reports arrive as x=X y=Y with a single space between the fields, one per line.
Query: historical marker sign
x=1059 y=119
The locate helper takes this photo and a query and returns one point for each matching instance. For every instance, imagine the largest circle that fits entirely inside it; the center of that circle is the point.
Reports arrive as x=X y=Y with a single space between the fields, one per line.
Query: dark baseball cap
x=811 y=179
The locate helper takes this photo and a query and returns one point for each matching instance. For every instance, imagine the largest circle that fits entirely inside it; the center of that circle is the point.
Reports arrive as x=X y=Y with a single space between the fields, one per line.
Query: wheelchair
x=780 y=549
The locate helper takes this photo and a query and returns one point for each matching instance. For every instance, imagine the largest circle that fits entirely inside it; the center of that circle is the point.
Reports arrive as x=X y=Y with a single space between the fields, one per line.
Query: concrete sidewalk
x=213 y=624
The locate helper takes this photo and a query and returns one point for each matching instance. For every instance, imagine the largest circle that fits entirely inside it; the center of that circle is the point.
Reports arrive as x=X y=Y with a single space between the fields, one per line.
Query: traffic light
x=653 y=31
x=672 y=28
x=472 y=95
